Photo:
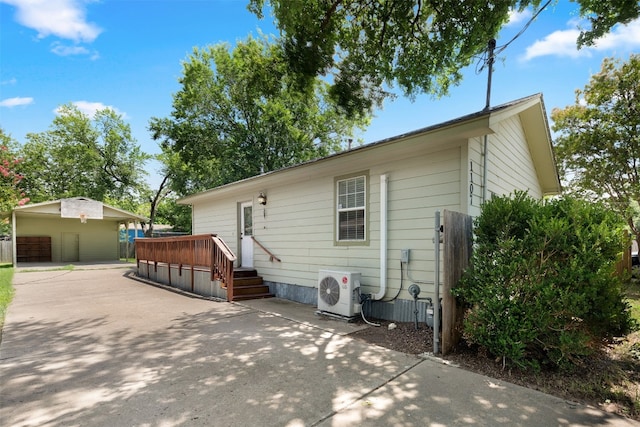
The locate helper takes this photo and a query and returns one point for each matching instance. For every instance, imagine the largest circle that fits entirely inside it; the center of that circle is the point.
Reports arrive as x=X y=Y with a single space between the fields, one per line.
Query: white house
x=370 y=210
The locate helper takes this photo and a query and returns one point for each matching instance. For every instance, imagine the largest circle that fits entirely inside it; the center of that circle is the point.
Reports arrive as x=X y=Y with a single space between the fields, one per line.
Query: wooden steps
x=248 y=285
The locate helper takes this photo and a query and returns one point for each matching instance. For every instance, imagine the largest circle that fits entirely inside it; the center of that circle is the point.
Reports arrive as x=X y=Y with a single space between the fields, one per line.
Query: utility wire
x=499 y=49
x=484 y=58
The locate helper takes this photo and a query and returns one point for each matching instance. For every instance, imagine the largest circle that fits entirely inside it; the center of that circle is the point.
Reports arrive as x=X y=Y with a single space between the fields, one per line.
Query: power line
x=499 y=49
x=487 y=57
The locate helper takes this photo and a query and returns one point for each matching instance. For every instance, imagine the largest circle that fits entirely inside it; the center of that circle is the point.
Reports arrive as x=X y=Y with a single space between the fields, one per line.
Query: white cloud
x=623 y=37
x=559 y=43
x=62 y=18
x=516 y=17
x=91 y=108
x=62 y=50
x=15 y=102
x=563 y=42
x=12 y=81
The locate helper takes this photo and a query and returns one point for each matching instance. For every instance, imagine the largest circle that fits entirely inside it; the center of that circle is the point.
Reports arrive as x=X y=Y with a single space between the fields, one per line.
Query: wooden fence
x=457 y=244
x=623 y=266
x=131 y=250
x=204 y=251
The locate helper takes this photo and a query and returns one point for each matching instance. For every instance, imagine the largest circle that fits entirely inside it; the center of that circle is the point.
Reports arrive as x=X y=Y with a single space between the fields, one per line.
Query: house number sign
x=471 y=183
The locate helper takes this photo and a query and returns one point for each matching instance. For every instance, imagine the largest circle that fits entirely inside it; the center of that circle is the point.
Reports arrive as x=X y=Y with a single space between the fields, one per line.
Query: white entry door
x=246 y=231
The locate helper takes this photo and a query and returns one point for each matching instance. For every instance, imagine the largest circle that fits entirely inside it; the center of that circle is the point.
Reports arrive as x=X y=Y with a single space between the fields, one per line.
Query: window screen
x=351 y=208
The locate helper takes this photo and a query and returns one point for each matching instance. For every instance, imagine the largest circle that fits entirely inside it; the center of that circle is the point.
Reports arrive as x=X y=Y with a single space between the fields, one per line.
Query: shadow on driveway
x=95 y=348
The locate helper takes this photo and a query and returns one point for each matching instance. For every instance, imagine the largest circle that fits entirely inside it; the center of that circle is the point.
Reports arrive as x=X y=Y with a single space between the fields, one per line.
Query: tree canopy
x=82 y=156
x=239 y=113
x=420 y=46
x=598 y=147
x=11 y=194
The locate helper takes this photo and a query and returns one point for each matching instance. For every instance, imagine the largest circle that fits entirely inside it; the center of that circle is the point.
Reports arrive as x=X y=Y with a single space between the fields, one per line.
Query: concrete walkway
x=97 y=348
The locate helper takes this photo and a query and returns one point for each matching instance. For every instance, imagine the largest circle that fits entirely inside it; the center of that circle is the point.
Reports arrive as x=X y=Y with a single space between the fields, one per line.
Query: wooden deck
x=205 y=252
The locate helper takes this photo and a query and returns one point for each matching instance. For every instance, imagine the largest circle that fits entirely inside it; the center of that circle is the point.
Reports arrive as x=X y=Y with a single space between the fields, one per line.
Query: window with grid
x=351 y=213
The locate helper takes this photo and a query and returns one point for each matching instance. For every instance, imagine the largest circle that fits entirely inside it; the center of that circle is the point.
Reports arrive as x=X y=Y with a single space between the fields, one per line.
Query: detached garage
x=78 y=229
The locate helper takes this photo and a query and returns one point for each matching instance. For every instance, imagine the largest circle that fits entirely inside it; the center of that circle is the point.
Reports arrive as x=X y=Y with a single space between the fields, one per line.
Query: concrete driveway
x=97 y=348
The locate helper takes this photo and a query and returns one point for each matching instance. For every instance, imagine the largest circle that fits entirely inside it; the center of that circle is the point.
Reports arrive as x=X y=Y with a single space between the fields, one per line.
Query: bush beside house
x=542 y=288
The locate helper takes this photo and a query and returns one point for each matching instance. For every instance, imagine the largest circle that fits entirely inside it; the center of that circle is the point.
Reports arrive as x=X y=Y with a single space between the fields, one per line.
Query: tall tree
x=179 y=216
x=598 y=147
x=184 y=172
x=82 y=156
x=239 y=113
x=162 y=200
x=179 y=177
x=419 y=45
x=11 y=193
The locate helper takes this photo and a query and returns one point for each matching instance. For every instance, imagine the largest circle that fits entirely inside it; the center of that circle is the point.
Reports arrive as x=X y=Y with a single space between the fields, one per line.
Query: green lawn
x=633 y=296
x=6 y=290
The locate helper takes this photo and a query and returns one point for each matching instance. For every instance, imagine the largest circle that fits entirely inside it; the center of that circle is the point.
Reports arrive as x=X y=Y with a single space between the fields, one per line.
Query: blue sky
x=127 y=55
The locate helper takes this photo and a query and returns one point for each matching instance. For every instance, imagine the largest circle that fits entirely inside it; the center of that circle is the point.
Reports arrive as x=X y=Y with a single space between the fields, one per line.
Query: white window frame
x=364 y=238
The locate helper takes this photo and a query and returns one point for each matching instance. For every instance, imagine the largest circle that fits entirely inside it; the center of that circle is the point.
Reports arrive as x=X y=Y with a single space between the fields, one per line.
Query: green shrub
x=541 y=289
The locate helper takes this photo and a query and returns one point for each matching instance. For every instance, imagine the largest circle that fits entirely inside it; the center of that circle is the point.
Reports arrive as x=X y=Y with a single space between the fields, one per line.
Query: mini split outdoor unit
x=338 y=292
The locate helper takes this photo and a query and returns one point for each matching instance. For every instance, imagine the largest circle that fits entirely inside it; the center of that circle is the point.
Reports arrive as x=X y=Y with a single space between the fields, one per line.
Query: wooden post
x=457 y=246
x=192 y=255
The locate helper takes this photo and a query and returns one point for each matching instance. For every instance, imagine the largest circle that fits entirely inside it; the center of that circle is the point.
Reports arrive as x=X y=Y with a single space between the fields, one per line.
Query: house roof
x=54 y=209
x=532 y=115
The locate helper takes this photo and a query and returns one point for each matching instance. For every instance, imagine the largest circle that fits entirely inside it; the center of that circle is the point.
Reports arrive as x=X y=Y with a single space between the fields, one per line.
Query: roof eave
x=125 y=215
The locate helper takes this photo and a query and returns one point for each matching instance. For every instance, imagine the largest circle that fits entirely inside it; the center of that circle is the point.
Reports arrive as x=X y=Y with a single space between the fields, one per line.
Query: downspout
x=383 y=238
x=485 y=150
x=193 y=220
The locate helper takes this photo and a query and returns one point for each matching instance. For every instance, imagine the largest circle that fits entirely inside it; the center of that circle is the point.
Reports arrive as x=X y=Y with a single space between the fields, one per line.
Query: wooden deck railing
x=203 y=251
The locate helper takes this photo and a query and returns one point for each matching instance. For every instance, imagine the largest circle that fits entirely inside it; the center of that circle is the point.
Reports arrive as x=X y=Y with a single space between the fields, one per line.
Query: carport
x=68 y=230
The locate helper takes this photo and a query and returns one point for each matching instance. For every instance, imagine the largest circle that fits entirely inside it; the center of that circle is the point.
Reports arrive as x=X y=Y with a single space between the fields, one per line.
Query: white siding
x=510 y=166
x=510 y=163
x=297 y=224
x=429 y=170
x=218 y=218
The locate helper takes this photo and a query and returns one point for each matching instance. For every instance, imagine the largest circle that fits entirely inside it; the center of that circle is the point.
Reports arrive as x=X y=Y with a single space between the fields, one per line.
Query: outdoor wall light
x=262 y=198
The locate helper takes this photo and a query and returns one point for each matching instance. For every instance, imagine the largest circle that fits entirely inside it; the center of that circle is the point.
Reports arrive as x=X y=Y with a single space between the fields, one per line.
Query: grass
x=6 y=291
x=68 y=267
x=633 y=296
